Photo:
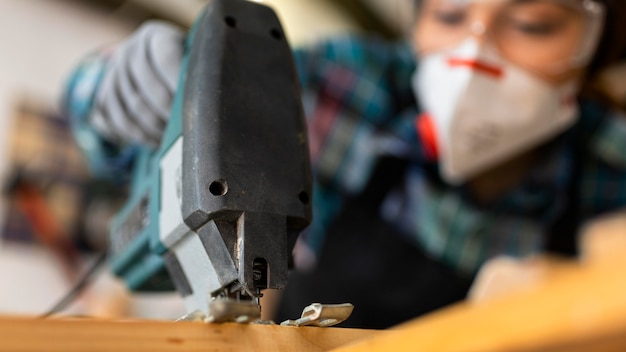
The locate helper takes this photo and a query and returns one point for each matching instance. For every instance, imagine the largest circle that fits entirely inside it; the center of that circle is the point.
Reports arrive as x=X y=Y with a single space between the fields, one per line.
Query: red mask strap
x=426 y=132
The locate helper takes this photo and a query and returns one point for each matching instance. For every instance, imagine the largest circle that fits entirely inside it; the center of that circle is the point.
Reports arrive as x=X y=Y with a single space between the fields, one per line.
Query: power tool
x=216 y=209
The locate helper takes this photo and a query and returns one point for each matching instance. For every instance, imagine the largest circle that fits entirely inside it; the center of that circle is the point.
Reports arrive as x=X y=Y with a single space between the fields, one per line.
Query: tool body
x=217 y=208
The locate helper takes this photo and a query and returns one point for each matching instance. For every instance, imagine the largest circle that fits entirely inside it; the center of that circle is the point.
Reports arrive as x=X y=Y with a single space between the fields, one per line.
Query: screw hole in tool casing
x=303 y=197
x=230 y=21
x=218 y=188
x=275 y=33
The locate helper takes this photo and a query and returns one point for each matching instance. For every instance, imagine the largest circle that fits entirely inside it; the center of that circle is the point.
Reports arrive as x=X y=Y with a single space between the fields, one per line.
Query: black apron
x=364 y=261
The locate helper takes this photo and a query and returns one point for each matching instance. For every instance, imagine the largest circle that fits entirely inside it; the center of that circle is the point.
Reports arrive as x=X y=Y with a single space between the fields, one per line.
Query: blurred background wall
x=40 y=43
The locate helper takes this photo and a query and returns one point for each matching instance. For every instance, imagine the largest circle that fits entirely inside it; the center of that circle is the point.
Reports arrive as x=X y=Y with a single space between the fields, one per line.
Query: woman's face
x=545 y=37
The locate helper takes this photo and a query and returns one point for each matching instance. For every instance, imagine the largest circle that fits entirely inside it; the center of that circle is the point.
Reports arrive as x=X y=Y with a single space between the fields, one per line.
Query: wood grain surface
x=83 y=334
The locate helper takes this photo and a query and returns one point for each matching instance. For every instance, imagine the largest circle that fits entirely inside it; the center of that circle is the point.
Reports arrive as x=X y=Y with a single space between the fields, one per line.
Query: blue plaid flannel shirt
x=360 y=108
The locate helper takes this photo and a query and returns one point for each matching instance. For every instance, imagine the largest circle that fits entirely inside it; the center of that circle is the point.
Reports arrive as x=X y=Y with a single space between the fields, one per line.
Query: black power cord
x=78 y=287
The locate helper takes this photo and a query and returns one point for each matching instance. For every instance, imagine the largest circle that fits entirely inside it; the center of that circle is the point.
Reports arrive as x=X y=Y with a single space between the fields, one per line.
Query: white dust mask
x=485 y=110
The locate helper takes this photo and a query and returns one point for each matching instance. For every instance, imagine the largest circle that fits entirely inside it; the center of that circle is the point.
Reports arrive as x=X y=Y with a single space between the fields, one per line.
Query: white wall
x=40 y=41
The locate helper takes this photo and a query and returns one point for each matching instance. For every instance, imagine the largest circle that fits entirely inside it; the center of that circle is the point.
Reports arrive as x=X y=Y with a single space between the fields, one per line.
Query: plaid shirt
x=361 y=108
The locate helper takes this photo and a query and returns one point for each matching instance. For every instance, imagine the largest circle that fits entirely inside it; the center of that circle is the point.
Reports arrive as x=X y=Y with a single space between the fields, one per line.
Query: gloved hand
x=132 y=103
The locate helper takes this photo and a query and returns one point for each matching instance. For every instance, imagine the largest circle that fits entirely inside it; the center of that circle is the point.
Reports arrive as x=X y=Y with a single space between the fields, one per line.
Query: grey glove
x=133 y=102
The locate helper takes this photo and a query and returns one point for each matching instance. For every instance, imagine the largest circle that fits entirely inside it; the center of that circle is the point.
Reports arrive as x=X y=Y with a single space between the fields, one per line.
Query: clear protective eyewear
x=541 y=35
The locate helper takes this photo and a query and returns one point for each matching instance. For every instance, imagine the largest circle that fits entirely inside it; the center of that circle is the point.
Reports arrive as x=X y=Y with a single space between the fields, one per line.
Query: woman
x=502 y=159
x=495 y=143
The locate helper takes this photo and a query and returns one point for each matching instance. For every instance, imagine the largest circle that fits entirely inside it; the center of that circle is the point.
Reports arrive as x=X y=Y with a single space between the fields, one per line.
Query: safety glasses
x=540 y=35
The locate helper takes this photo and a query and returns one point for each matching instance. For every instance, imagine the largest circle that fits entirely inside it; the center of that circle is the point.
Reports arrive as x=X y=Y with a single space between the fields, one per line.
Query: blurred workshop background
x=50 y=225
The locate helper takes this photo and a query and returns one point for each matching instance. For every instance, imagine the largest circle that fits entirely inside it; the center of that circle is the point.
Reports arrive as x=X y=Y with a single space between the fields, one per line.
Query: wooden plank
x=582 y=308
x=579 y=307
x=28 y=334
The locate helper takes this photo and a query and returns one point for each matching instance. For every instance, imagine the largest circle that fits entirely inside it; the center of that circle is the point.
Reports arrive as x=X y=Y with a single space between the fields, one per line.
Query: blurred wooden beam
x=367 y=17
x=82 y=334
x=581 y=307
x=181 y=12
x=577 y=306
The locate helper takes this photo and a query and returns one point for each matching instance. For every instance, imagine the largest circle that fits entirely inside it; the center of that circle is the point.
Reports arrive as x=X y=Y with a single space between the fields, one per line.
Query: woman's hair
x=611 y=50
x=612 y=45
